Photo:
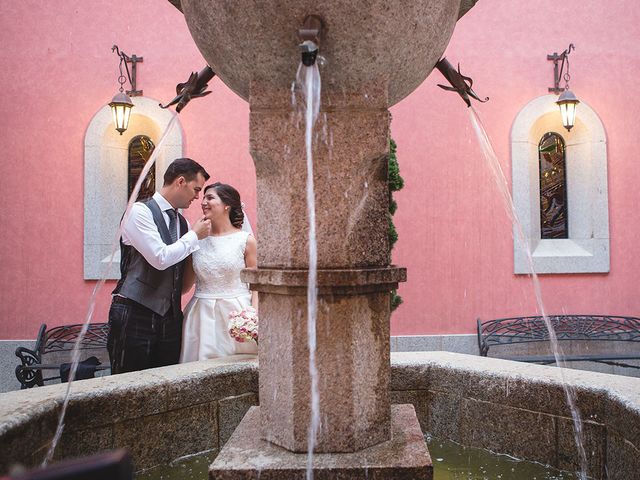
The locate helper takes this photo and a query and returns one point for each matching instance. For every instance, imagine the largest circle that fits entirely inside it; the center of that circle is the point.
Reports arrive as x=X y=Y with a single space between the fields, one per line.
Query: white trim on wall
x=105 y=177
x=587 y=248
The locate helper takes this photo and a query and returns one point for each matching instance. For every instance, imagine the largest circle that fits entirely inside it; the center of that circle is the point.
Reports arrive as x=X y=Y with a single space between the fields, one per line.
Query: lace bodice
x=217 y=266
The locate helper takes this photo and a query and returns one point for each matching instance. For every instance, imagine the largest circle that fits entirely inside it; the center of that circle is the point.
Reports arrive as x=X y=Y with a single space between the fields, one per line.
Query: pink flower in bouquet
x=243 y=325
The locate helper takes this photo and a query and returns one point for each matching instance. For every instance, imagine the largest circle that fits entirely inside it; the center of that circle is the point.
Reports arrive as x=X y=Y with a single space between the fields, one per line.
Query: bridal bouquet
x=243 y=325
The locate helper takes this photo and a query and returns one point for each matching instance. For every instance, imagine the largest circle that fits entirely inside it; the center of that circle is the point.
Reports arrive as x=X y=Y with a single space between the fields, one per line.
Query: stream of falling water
x=309 y=79
x=493 y=163
x=75 y=356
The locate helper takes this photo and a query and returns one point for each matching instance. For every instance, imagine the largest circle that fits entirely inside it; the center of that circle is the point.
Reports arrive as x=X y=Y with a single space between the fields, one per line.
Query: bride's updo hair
x=231 y=198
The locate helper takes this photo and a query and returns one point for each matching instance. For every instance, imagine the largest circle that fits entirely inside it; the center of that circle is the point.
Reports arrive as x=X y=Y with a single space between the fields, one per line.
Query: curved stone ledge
x=521 y=409
x=158 y=414
x=509 y=407
x=330 y=281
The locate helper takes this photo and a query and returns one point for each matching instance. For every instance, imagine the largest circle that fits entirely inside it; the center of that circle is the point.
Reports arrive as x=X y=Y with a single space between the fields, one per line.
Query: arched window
x=553 y=187
x=560 y=191
x=140 y=149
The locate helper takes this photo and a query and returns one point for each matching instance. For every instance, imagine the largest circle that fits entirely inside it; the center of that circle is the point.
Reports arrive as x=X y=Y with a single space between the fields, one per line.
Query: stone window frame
x=587 y=248
x=106 y=160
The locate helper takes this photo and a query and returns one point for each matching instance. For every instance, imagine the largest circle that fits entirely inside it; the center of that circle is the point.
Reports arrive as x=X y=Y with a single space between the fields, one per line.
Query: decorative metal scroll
x=63 y=338
x=27 y=377
x=567 y=327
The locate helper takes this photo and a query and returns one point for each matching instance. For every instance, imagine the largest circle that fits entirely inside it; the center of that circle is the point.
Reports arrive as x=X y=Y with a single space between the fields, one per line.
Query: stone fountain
x=161 y=415
x=376 y=54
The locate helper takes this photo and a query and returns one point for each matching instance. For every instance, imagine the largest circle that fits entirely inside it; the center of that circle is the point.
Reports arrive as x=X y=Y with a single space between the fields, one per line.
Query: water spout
x=194 y=87
x=309 y=35
x=458 y=82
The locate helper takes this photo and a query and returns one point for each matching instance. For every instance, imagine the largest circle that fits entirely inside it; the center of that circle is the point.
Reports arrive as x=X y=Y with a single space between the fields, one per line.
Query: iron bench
x=509 y=331
x=54 y=348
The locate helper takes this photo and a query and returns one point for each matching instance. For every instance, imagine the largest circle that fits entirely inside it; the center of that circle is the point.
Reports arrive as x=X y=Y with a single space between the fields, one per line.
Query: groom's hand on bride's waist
x=202 y=228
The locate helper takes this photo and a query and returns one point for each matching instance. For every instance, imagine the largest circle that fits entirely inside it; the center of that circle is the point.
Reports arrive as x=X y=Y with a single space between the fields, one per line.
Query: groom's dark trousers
x=145 y=317
x=141 y=338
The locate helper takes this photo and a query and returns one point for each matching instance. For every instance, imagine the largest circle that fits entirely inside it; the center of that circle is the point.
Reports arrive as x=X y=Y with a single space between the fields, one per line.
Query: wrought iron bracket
x=557 y=72
x=131 y=75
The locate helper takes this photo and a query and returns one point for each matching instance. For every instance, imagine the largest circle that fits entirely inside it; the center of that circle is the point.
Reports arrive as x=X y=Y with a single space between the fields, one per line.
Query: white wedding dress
x=219 y=291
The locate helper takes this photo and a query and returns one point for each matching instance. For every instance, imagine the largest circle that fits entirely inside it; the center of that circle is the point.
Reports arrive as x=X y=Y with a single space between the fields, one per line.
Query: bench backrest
x=56 y=345
x=504 y=331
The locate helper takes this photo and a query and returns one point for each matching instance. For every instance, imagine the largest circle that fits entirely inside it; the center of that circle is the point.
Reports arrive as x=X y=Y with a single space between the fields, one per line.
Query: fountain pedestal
x=404 y=456
x=359 y=431
x=354 y=280
x=352 y=357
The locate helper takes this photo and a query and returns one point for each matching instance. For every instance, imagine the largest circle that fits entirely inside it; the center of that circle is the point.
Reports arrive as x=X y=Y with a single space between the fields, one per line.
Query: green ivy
x=393 y=234
x=396 y=300
x=395 y=180
x=395 y=183
x=393 y=206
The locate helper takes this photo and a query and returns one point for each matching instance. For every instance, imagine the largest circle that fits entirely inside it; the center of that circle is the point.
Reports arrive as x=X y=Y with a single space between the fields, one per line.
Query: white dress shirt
x=141 y=232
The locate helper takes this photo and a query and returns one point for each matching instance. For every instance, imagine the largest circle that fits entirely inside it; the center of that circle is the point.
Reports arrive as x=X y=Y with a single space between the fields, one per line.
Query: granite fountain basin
x=166 y=413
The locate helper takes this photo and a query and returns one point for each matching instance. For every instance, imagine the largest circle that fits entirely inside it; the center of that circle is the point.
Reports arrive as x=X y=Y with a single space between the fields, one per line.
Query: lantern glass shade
x=121 y=106
x=567 y=103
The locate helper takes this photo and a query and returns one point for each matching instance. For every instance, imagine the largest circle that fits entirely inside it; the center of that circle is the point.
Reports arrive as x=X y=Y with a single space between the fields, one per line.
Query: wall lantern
x=121 y=103
x=567 y=100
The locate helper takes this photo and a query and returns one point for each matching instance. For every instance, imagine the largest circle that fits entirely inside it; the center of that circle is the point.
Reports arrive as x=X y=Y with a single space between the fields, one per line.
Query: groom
x=145 y=317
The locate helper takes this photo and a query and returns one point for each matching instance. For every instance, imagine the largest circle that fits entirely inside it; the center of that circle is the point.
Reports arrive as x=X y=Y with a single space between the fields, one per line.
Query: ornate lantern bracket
x=131 y=75
x=121 y=103
x=567 y=100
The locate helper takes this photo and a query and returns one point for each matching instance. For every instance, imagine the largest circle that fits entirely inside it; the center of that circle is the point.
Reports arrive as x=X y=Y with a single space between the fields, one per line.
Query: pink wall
x=454 y=234
x=58 y=70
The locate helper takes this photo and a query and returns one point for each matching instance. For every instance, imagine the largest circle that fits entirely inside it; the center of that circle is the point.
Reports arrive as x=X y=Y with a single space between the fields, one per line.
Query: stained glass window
x=553 y=187
x=140 y=149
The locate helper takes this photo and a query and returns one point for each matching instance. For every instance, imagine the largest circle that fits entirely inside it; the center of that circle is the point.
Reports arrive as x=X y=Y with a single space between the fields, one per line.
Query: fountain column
x=350 y=157
x=377 y=53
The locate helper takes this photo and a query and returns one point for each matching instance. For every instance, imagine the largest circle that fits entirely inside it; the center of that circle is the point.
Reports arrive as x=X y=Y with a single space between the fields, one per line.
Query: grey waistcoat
x=155 y=289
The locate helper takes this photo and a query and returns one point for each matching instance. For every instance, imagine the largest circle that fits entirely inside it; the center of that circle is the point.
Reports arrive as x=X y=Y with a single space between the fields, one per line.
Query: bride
x=215 y=268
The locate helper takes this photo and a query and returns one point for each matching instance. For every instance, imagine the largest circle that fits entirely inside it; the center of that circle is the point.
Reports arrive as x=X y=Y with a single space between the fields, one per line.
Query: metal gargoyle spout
x=458 y=82
x=193 y=88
